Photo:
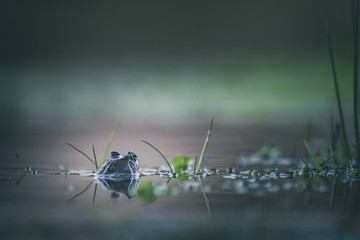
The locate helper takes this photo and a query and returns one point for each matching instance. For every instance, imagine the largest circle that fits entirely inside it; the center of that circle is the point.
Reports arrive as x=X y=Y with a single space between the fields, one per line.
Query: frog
x=118 y=167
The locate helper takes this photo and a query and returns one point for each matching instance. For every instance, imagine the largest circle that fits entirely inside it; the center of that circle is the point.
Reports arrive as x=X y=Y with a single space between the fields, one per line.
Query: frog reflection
x=116 y=189
x=119 y=174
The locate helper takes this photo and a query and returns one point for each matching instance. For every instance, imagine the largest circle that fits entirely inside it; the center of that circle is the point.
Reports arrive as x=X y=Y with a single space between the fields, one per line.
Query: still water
x=51 y=202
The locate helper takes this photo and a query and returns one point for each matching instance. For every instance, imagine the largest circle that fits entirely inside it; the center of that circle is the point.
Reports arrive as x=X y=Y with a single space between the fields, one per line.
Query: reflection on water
x=116 y=189
x=237 y=197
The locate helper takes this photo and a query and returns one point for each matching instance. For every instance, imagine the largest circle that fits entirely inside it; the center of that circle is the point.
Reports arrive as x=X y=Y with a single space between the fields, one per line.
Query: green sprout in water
x=181 y=163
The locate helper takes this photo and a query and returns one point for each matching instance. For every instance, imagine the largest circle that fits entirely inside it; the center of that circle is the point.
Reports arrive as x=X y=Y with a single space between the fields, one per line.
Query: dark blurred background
x=75 y=63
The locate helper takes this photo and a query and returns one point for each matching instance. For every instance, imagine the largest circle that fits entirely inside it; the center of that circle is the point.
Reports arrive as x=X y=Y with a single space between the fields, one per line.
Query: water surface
x=275 y=205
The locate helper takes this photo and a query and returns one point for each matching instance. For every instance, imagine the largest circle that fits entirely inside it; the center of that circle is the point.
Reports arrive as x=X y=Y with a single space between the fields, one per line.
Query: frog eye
x=132 y=156
x=115 y=154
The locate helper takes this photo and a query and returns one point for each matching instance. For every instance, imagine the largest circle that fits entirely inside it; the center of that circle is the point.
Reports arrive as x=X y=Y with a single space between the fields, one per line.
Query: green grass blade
x=205 y=145
x=171 y=170
x=195 y=164
x=355 y=16
x=81 y=153
x=310 y=154
x=96 y=164
x=342 y=122
x=333 y=160
x=111 y=139
x=307 y=165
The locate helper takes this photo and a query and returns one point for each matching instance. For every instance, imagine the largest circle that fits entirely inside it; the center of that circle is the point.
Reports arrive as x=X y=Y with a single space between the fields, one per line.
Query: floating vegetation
x=150 y=191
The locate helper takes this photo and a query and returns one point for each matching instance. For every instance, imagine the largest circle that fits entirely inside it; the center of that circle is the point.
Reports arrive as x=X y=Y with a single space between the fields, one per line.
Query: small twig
x=22 y=160
x=21 y=178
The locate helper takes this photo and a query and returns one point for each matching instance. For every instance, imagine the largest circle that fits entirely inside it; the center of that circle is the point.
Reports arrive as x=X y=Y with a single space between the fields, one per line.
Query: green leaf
x=264 y=152
x=311 y=155
x=146 y=192
x=181 y=163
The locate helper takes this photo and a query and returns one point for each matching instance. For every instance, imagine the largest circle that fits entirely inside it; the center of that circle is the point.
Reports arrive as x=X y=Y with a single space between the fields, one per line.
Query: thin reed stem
x=81 y=153
x=96 y=164
x=342 y=122
x=205 y=145
x=171 y=170
x=111 y=139
x=355 y=19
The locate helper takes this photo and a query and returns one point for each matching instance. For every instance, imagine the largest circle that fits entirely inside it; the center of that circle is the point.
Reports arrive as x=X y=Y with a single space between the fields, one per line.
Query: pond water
x=51 y=202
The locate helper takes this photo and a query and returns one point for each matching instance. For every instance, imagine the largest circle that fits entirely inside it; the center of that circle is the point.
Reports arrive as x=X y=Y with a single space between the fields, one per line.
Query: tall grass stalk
x=205 y=145
x=96 y=164
x=333 y=160
x=171 y=170
x=355 y=22
x=111 y=139
x=342 y=122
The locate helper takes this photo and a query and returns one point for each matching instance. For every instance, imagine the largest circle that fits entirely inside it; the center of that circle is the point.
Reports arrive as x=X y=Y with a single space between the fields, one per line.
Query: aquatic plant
x=339 y=160
x=181 y=162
